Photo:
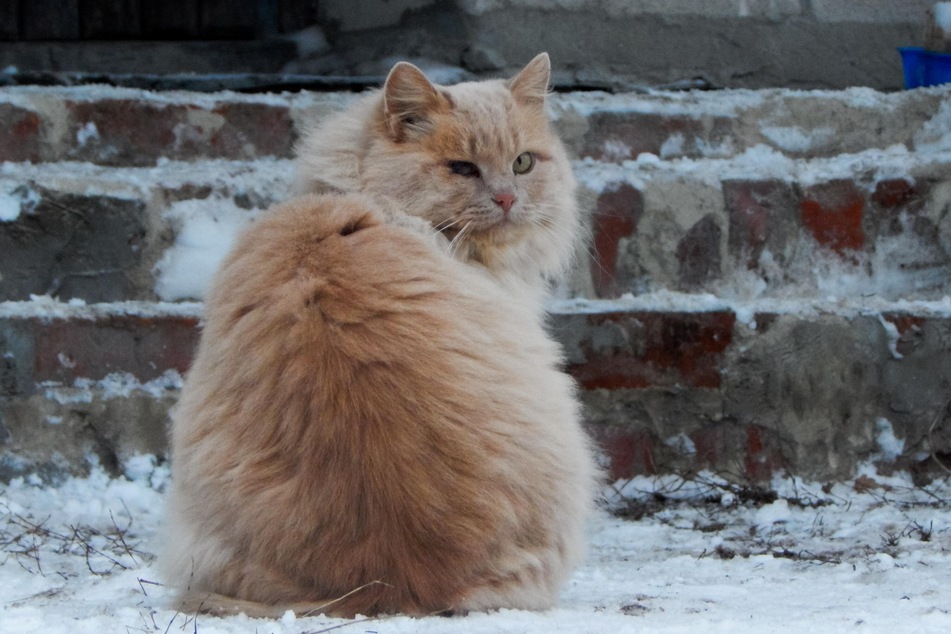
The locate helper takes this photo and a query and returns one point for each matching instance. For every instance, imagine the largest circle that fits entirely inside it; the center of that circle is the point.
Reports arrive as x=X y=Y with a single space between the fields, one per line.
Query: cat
x=449 y=156
x=376 y=420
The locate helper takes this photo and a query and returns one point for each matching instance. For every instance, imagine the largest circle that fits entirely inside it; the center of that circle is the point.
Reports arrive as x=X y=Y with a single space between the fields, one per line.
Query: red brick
x=904 y=322
x=897 y=204
x=629 y=452
x=762 y=457
x=833 y=214
x=713 y=443
x=893 y=193
x=759 y=213
x=128 y=131
x=615 y=217
x=20 y=134
x=652 y=349
x=910 y=331
x=66 y=350
x=721 y=447
x=139 y=132
x=253 y=130
x=698 y=253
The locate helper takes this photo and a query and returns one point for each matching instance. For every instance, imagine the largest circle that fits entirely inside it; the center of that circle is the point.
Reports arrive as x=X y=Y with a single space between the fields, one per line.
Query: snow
x=673 y=301
x=762 y=162
x=9 y=207
x=935 y=134
x=206 y=230
x=46 y=308
x=16 y=199
x=890 y=446
x=797 y=140
x=942 y=16
x=676 y=555
x=112 y=386
x=87 y=133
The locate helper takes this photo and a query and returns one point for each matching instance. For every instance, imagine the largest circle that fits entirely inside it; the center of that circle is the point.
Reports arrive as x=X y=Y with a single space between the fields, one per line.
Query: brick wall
x=766 y=280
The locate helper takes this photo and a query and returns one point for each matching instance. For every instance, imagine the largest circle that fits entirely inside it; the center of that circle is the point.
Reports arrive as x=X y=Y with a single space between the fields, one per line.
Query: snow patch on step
x=759 y=162
x=206 y=231
x=746 y=309
x=112 y=386
x=46 y=308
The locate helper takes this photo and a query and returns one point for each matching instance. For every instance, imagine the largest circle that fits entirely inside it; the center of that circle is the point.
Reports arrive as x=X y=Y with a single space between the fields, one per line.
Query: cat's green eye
x=524 y=163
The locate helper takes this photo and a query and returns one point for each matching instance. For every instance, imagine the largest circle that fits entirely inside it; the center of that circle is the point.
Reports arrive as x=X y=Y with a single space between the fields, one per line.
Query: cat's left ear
x=530 y=86
x=409 y=102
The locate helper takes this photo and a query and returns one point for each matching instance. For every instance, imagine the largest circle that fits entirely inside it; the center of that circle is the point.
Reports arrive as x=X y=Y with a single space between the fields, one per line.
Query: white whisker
x=459 y=238
x=441 y=227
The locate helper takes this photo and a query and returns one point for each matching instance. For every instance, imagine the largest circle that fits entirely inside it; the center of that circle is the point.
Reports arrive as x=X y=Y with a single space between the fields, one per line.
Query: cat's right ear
x=409 y=102
x=530 y=86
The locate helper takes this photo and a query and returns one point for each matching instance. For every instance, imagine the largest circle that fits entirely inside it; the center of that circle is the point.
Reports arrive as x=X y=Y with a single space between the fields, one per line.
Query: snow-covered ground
x=872 y=555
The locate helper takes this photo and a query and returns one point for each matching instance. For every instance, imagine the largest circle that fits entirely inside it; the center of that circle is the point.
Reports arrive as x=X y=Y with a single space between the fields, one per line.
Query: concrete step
x=762 y=224
x=670 y=383
x=121 y=126
x=755 y=225
x=766 y=285
x=100 y=234
x=725 y=123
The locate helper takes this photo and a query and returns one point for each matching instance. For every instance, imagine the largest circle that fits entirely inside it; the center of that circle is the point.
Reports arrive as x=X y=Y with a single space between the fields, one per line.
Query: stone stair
x=766 y=284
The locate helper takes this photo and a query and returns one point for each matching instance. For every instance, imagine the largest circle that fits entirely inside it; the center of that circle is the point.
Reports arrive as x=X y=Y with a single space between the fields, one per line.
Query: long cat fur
x=375 y=420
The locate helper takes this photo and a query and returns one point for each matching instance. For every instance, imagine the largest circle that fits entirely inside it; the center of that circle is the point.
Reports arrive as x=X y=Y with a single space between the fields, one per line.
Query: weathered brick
x=39 y=350
x=123 y=131
x=251 y=130
x=750 y=451
x=761 y=215
x=651 y=349
x=139 y=132
x=20 y=134
x=895 y=193
x=73 y=246
x=910 y=331
x=833 y=213
x=714 y=446
x=895 y=207
x=145 y=347
x=630 y=452
x=615 y=136
x=614 y=218
x=762 y=456
x=698 y=254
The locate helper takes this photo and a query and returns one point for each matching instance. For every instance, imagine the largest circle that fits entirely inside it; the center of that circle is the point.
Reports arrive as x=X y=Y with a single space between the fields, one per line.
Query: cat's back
x=365 y=408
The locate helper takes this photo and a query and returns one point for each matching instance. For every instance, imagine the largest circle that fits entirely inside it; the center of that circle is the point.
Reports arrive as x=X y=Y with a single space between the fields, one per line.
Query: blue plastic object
x=925 y=68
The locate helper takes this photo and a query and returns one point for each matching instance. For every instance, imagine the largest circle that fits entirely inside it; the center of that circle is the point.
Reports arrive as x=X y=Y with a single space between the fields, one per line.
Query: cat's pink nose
x=505 y=200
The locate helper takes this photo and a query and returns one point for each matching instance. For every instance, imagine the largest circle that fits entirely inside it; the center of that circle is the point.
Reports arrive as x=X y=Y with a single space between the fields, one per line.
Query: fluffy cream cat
x=376 y=420
x=478 y=161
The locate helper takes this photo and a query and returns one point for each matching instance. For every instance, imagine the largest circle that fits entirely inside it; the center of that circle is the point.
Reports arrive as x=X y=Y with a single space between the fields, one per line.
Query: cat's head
x=480 y=163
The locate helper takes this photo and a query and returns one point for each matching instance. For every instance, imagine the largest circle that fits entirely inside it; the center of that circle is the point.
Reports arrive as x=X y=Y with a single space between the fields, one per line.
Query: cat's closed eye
x=464 y=168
